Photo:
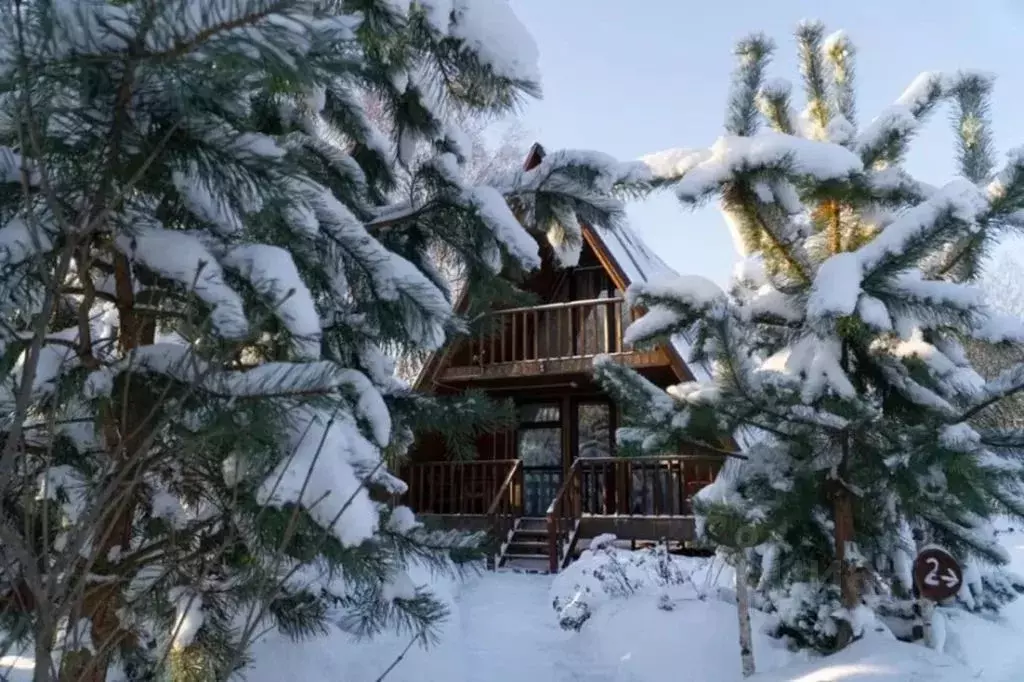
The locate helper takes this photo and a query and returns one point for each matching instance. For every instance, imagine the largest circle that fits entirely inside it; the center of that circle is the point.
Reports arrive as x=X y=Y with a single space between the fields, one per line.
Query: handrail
x=558 y=306
x=558 y=520
x=505 y=509
x=505 y=485
x=565 y=484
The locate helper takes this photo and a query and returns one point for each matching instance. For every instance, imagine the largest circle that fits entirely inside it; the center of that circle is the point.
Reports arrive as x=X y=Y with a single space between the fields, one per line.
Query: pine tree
x=838 y=351
x=203 y=278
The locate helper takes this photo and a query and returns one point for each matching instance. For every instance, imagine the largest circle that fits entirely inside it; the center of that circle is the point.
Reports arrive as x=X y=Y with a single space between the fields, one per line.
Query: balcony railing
x=552 y=333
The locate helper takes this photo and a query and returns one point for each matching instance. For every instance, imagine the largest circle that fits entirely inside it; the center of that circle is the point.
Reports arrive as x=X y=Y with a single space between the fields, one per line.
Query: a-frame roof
x=628 y=261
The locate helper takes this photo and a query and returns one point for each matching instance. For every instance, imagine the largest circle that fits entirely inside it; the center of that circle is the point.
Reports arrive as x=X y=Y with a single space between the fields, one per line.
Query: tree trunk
x=843 y=520
x=127 y=427
x=846 y=577
x=743 y=613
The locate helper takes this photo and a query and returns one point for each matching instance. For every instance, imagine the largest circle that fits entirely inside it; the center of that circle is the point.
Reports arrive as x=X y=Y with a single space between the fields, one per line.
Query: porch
x=637 y=499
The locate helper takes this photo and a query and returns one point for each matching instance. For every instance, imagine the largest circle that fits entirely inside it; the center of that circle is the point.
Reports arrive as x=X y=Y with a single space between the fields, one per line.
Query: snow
x=273 y=274
x=673 y=163
x=202 y=202
x=182 y=257
x=690 y=291
x=960 y=198
x=507 y=229
x=392 y=276
x=836 y=287
x=730 y=154
x=19 y=241
x=502 y=628
x=188 y=606
x=491 y=30
x=922 y=90
x=325 y=473
x=639 y=265
x=896 y=119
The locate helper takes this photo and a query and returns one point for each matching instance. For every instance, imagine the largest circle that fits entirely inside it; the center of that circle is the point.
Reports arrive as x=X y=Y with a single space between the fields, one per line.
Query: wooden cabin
x=548 y=486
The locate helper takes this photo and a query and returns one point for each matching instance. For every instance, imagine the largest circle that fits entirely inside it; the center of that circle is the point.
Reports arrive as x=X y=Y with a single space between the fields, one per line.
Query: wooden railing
x=491 y=490
x=470 y=487
x=624 y=486
x=555 y=331
x=506 y=508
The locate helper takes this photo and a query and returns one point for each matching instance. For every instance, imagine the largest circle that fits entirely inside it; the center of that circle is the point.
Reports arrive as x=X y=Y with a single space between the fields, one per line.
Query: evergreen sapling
x=838 y=352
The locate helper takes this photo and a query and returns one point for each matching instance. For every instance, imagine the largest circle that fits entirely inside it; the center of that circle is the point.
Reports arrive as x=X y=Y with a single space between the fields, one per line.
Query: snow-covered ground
x=503 y=628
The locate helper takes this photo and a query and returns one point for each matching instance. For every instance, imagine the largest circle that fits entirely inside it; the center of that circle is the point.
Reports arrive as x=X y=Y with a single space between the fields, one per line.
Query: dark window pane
x=538 y=413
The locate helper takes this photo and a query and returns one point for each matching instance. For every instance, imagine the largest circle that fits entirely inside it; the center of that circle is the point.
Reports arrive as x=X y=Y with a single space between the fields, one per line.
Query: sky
x=634 y=77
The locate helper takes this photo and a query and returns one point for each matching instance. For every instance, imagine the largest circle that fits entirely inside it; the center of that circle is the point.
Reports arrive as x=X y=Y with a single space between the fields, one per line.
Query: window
x=539 y=414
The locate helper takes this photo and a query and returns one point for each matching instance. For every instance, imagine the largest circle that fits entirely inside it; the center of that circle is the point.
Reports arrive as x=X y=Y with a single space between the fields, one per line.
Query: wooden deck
x=645 y=498
x=553 y=339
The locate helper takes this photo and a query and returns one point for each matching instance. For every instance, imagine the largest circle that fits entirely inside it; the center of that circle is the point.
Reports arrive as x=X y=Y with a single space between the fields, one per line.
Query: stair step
x=530 y=533
x=527 y=565
x=526 y=547
x=533 y=523
x=514 y=555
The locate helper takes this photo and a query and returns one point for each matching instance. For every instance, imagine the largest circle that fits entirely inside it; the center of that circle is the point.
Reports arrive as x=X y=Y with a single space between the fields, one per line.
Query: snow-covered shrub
x=986 y=590
x=804 y=614
x=605 y=572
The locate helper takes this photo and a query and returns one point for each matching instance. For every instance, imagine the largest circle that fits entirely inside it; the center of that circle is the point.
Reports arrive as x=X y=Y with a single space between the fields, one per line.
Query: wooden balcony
x=557 y=338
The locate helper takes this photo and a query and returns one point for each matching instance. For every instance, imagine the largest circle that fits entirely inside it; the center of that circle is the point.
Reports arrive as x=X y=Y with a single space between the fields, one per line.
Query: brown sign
x=937 y=574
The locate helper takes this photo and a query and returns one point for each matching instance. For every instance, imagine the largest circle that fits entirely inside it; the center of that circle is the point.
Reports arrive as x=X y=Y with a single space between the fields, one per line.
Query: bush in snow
x=604 y=572
x=804 y=614
x=203 y=267
x=838 y=351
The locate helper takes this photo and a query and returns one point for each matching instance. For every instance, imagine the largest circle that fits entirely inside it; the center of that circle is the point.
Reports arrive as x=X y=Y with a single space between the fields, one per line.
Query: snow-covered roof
x=639 y=264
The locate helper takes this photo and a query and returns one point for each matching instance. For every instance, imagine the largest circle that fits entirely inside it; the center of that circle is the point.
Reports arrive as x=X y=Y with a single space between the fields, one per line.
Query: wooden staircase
x=527 y=547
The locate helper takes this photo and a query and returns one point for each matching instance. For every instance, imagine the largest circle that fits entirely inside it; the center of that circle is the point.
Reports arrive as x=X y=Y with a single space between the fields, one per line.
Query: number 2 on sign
x=932 y=578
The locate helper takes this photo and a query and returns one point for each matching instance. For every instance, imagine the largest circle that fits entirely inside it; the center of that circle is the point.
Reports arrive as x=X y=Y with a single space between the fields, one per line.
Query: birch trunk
x=743 y=613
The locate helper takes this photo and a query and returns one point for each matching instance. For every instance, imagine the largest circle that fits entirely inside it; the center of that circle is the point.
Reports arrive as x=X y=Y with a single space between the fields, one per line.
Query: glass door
x=539 y=446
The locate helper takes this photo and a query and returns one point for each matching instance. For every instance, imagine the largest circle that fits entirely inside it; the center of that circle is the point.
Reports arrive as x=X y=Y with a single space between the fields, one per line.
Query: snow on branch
x=273 y=274
x=181 y=363
x=327 y=472
x=837 y=283
x=492 y=208
x=183 y=258
x=732 y=155
x=11 y=166
x=673 y=304
x=959 y=199
x=22 y=239
x=886 y=137
x=392 y=276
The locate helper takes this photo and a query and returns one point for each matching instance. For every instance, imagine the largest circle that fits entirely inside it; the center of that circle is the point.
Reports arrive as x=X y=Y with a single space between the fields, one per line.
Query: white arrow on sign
x=932 y=578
